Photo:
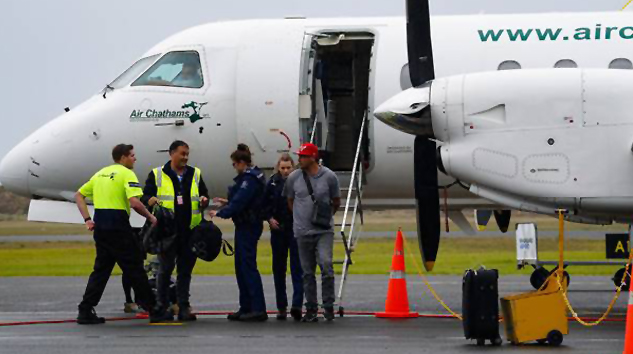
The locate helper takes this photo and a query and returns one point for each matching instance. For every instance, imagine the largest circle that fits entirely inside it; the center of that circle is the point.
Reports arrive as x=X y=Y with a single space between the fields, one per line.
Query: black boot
x=161 y=315
x=295 y=312
x=88 y=316
x=254 y=317
x=236 y=316
x=184 y=313
x=328 y=313
x=282 y=315
x=311 y=316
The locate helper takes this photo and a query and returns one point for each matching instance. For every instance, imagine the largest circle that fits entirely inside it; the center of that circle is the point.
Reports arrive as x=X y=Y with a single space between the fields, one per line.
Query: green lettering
x=490 y=34
x=514 y=35
x=548 y=34
x=582 y=33
x=598 y=32
x=609 y=31
x=623 y=34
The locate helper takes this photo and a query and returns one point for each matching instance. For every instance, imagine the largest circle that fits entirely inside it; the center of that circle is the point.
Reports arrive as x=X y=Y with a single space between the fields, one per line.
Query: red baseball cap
x=309 y=150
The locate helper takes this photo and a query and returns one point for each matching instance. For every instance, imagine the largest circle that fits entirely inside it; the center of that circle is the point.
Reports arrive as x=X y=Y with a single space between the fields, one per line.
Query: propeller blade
x=421 y=67
x=503 y=219
x=482 y=217
x=427 y=198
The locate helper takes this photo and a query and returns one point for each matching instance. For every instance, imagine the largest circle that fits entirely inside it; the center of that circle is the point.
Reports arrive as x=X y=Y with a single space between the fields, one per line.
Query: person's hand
x=90 y=225
x=274 y=224
x=204 y=202
x=212 y=213
x=152 y=201
x=152 y=220
x=220 y=201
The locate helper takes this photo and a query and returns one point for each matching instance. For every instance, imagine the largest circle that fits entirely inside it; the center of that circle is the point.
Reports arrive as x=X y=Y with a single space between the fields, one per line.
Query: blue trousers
x=249 y=281
x=284 y=242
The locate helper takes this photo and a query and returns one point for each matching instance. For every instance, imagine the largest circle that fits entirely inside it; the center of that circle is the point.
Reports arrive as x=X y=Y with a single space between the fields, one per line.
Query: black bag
x=480 y=305
x=160 y=238
x=322 y=211
x=206 y=242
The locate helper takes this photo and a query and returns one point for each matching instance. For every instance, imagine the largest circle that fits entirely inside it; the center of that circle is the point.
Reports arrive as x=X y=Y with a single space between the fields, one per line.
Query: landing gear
x=341 y=311
x=617 y=279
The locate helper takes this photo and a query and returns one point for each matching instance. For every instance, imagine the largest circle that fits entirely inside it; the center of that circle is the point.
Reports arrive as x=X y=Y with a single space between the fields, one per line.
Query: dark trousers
x=284 y=242
x=249 y=281
x=117 y=247
x=181 y=256
x=127 y=288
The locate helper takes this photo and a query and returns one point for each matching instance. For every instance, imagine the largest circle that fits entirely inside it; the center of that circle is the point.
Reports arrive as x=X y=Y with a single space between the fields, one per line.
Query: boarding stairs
x=350 y=226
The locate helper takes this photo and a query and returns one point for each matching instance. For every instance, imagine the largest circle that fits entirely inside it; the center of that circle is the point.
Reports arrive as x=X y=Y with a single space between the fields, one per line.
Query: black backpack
x=160 y=238
x=206 y=242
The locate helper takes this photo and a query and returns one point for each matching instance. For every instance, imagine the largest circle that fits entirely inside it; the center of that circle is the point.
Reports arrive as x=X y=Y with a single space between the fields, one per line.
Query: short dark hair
x=121 y=150
x=176 y=144
x=242 y=154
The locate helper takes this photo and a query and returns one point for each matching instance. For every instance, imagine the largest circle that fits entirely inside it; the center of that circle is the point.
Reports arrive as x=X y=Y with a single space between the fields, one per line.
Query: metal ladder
x=353 y=218
x=352 y=223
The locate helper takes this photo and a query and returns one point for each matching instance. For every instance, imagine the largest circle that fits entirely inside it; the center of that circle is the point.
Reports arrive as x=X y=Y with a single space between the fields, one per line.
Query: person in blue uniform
x=244 y=207
x=283 y=241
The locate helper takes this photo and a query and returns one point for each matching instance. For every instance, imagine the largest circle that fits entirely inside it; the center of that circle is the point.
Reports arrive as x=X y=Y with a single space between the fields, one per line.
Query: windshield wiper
x=105 y=90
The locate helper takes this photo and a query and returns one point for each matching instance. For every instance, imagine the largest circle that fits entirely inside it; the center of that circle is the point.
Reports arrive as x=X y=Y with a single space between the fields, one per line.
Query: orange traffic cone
x=397 y=304
x=628 y=334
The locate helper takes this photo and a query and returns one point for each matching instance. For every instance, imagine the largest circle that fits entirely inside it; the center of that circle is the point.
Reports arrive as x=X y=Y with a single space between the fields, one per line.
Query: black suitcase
x=480 y=305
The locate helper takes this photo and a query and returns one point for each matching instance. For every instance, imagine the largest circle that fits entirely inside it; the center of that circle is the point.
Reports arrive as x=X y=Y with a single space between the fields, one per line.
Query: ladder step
x=339 y=225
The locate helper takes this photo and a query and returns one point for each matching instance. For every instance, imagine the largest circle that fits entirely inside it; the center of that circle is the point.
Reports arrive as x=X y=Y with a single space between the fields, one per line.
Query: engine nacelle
x=551 y=134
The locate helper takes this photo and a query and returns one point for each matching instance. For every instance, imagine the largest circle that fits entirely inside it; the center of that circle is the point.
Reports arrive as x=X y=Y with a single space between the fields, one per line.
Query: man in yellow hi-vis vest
x=113 y=190
x=180 y=188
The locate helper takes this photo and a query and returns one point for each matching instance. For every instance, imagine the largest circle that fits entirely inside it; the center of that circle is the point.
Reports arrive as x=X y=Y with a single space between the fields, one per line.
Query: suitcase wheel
x=555 y=338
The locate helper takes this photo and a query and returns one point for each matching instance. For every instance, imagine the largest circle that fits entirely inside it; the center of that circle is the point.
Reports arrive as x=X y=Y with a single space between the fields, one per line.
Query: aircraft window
x=133 y=72
x=621 y=63
x=566 y=64
x=405 y=79
x=176 y=69
x=509 y=65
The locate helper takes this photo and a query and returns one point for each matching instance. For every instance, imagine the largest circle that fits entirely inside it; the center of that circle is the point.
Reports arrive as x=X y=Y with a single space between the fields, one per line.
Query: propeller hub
x=409 y=111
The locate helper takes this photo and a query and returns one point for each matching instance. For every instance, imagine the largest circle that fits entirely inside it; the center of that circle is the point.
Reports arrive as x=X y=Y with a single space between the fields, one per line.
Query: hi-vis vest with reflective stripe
x=167 y=195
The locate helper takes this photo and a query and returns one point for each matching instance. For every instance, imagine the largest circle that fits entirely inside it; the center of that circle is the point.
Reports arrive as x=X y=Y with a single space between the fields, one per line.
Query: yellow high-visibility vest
x=167 y=194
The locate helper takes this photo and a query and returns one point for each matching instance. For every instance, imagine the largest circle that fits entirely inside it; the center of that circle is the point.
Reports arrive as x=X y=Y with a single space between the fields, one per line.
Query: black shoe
x=254 y=317
x=295 y=312
x=185 y=315
x=88 y=316
x=161 y=315
x=282 y=315
x=310 y=317
x=328 y=313
x=236 y=316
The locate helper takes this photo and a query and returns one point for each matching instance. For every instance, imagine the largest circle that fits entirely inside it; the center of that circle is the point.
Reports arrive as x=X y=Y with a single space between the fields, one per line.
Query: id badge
x=179 y=200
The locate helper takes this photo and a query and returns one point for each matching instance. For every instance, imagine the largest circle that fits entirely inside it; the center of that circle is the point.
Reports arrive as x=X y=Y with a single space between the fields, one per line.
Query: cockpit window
x=175 y=69
x=133 y=72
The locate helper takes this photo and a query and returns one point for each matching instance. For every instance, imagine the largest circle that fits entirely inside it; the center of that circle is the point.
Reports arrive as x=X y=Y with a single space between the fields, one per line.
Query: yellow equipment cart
x=539 y=315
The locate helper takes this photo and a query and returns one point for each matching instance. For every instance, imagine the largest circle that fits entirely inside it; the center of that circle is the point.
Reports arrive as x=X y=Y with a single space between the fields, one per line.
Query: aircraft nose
x=14 y=171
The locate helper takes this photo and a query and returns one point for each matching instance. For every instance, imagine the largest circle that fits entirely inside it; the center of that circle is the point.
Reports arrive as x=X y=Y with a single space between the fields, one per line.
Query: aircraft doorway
x=336 y=99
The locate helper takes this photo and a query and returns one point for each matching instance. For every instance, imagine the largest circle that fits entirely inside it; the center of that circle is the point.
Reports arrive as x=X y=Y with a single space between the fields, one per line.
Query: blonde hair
x=285 y=157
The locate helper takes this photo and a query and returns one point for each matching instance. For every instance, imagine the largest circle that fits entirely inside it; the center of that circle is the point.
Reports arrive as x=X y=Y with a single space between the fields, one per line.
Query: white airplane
x=272 y=83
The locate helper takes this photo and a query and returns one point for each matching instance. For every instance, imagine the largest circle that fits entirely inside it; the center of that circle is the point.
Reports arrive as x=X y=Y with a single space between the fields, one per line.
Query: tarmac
x=55 y=298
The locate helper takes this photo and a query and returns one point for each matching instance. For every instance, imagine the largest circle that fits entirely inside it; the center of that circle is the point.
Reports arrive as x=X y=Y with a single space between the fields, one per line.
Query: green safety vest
x=167 y=195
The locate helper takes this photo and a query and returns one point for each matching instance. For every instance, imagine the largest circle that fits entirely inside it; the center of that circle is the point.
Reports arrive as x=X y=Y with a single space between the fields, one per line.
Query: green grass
x=372 y=256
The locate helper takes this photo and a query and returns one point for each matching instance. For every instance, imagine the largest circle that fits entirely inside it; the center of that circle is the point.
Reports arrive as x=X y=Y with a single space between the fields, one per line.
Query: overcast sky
x=57 y=53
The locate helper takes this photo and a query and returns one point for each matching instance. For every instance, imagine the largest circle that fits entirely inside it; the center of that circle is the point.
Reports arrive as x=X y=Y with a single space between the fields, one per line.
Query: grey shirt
x=326 y=187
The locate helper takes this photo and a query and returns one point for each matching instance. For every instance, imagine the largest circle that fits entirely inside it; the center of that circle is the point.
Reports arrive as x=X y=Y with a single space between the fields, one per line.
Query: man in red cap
x=314 y=196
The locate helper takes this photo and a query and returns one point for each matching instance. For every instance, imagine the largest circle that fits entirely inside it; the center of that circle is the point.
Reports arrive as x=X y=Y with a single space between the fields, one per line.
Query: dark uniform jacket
x=276 y=205
x=245 y=197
